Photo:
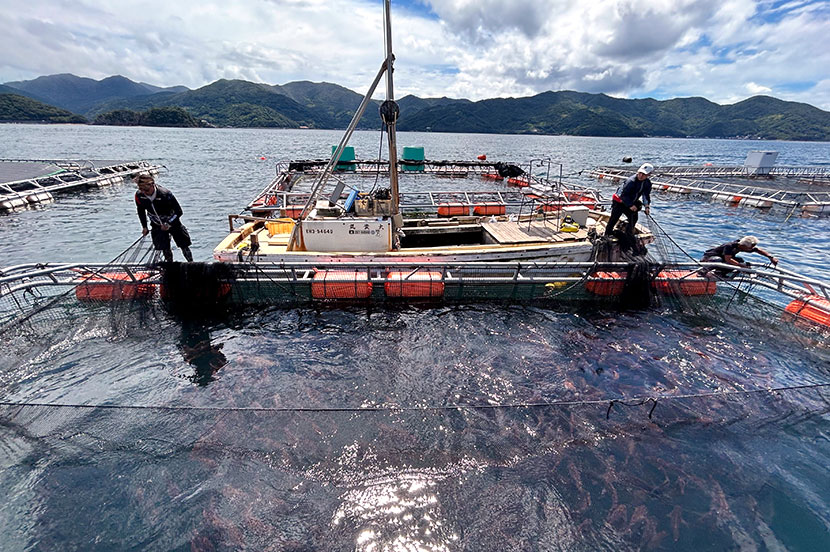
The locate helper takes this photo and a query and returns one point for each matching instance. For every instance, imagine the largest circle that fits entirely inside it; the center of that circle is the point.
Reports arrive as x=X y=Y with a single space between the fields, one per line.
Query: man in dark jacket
x=160 y=206
x=627 y=199
x=728 y=254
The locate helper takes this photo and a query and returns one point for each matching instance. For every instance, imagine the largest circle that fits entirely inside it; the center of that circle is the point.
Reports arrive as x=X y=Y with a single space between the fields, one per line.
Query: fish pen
x=531 y=187
x=52 y=292
x=30 y=182
x=805 y=192
x=608 y=426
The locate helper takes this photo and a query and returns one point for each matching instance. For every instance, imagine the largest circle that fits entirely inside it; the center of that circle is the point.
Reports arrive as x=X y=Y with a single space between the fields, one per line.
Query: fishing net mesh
x=603 y=449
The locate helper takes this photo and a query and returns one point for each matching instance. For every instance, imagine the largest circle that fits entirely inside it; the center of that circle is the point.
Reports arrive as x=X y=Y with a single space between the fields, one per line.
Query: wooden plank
x=535 y=232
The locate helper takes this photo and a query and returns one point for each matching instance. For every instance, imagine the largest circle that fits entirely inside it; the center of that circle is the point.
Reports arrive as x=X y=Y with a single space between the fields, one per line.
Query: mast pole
x=392 y=117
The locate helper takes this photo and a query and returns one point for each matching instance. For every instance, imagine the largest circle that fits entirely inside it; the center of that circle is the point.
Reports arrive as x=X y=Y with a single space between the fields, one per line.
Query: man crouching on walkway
x=165 y=214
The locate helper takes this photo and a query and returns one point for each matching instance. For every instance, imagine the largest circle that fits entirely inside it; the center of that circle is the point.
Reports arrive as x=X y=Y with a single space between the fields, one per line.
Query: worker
x=727 y=253
x=160 y=206
x=627 y=199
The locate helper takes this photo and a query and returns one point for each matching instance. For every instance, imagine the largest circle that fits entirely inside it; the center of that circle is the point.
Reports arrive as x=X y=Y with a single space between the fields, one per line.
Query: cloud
x=753 y=88
x=723 y=50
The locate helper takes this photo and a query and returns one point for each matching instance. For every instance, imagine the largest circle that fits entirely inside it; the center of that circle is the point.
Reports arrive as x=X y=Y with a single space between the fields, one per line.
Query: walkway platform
x=32 y=287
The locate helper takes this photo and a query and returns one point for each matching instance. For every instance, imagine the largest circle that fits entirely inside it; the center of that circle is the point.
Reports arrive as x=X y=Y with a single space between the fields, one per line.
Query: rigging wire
x=380 y=153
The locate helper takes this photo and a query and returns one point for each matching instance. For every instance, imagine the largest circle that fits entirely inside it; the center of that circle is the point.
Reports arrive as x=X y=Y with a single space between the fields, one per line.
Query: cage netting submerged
x=607 y=421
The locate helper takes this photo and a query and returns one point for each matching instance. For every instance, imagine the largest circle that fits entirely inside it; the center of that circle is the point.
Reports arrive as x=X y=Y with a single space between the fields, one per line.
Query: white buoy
x=816 y=208
x=758 y=203
x=40 y=197
x=13 y=203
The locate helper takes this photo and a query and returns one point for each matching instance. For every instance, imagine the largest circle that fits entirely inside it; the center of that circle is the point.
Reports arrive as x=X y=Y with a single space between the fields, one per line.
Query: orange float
x=114 y=286
x=549 y=207
x=814 y=308
x=684 y=282
x=340 y=284
x=293 y=211
x=453 y=209
x=520 y=182
x=606 y=283
x=492 y=176
x=490 y=208
x=414 y=284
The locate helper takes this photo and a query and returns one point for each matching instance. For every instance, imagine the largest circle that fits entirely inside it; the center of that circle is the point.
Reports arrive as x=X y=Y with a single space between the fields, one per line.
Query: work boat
x=343 y=223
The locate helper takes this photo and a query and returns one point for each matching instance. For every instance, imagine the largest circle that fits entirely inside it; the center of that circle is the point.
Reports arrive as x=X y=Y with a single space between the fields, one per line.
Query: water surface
x=361 y=428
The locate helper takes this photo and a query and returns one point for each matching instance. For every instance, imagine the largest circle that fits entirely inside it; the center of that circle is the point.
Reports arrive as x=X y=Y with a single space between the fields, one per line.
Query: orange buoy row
x=492 y=176
x=352 y=284
x=199 y=294
x=814 y=308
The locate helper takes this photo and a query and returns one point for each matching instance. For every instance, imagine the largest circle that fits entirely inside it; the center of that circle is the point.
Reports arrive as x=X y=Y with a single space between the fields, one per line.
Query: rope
x=380 y=153
x=666 y=234
x=611 y=401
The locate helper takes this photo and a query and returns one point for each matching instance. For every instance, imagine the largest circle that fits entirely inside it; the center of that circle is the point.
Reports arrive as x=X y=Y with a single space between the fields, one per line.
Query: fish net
x=135 y=290
x=245 y=406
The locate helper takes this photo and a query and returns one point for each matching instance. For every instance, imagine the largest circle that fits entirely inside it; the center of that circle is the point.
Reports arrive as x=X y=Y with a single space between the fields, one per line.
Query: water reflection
x=399 y=510
x=199 y=351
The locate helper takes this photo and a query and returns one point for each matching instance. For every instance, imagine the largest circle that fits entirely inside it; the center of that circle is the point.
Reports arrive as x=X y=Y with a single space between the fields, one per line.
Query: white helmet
x=646 y=168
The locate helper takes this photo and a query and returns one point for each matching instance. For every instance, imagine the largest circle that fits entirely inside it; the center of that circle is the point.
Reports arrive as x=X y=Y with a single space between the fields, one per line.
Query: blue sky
x=723 y=50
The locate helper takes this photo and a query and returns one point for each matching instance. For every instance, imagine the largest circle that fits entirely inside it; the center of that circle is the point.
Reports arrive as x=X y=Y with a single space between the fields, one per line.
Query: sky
x=723 y=50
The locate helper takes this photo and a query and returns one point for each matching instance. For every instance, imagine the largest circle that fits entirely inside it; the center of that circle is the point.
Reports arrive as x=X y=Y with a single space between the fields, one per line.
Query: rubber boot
x=168 y=255
x=187 y=254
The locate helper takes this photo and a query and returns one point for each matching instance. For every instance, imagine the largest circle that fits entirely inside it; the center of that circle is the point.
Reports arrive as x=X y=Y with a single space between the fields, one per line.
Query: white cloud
x=720 y=49
x=753 y=88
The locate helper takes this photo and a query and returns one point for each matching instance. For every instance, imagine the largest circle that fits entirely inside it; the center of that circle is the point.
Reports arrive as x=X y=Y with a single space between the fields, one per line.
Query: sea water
x=473 y=427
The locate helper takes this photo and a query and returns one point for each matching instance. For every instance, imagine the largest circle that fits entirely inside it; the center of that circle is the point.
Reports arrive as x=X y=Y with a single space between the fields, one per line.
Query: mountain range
x=238 y=103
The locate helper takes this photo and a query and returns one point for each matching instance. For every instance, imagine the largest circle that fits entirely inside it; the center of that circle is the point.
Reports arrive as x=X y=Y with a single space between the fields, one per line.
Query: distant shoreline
x=725 y=138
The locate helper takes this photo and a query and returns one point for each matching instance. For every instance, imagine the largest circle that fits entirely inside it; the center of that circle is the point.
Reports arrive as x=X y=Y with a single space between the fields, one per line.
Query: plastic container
x=411 y=153
x=347 y=158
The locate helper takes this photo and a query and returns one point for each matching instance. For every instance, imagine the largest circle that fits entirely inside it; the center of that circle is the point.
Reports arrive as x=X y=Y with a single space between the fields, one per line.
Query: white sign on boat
x=347 y=234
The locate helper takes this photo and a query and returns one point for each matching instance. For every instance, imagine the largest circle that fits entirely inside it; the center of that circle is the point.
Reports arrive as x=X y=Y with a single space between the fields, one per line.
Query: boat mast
x=389 y=114
x=389 y=109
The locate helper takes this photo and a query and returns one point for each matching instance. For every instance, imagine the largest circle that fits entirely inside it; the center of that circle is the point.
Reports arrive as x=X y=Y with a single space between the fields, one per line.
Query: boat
x=359 y=220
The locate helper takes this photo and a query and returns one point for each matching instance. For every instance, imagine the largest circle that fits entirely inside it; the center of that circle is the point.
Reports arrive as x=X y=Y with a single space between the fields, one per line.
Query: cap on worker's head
x=646 y=168
x=145 y=178
x=748 y=241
